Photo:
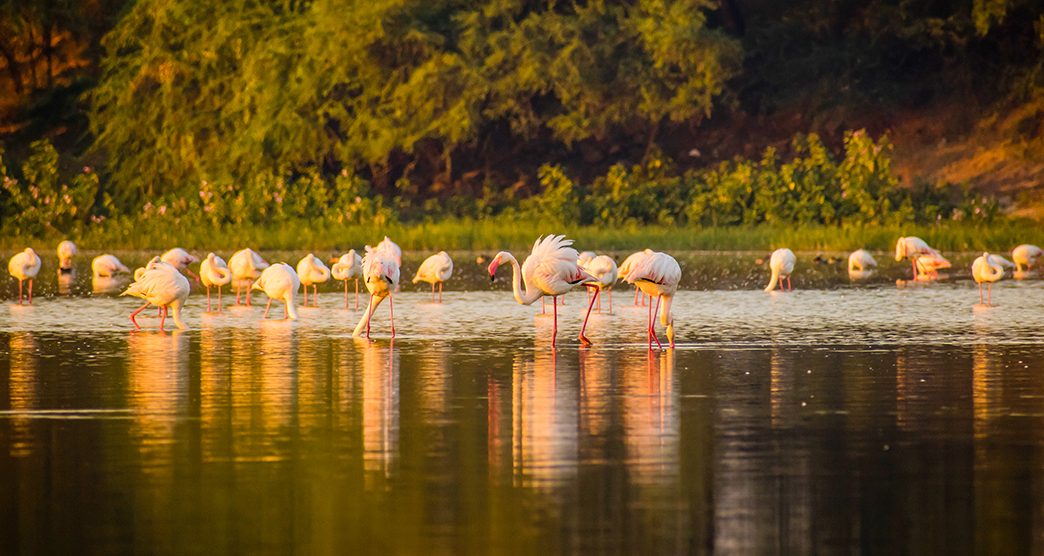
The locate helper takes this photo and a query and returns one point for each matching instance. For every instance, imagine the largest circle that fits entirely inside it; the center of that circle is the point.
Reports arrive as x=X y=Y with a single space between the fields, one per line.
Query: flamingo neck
x=176 y=309
x=291 y=305
x=666 y=317
x=773 y=280
x=531 y=294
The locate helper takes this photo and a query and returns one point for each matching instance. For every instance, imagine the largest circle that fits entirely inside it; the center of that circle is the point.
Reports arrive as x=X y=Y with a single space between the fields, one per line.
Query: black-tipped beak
x=492 y=278
x=388 y=279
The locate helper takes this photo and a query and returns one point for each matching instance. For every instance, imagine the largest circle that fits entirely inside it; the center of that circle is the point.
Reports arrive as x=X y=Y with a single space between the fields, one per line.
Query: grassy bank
x=495 y=234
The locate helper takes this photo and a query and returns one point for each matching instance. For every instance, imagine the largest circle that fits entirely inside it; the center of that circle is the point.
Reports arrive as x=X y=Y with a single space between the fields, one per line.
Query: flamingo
x=604 y=270
x=630 y=262
x=312 y=272
x=390 y=247
x=782 y=265
x=861 y=260
x=1025 y=256
x=550 y=269
x=107 y=266
x=153 y=262
x=1004 y=263
x=436 y=269
x=279 y=281
x=986 y=269
x=658 y=276
x=585 y=257
x=66 y=251
x=349 y=266
x=160 y=284
x=914 y=248
x=25 y=265
x=928 y=266
x=381 y=275
x=181 y=259
x=246 y=266
x=213 y=271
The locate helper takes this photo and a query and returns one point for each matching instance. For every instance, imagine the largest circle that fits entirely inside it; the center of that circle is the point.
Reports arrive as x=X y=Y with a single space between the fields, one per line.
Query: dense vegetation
x=584 y=113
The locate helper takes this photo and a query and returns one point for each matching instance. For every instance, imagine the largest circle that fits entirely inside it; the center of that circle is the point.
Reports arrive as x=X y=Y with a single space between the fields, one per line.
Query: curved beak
x=492 y=268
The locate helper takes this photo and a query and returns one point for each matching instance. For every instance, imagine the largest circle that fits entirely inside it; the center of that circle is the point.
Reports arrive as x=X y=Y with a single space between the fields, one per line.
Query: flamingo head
x=493 y=265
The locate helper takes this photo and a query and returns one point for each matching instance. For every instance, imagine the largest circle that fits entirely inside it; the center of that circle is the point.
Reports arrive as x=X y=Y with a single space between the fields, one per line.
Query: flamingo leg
x=356 y=294
x=163 y=316
x=20 y=292
x=135 y=313
x=543 y=307
x=248 y=297
x=652 y=324
x=583 y=339
x=286 y=310
x=30 y=291
x=220 y=307
x=237 y=293
x=636 y=292
x=554 y=326
x=391 y=312
x=267 y=307
x=610 y=301
x=980 y=293
x=346 y=294
x=440 y=292
x=599 y=298
x=790 y=287
x=208 y=298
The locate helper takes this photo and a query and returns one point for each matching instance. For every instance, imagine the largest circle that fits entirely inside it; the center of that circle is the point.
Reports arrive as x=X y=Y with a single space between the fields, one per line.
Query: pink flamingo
x=658 y=276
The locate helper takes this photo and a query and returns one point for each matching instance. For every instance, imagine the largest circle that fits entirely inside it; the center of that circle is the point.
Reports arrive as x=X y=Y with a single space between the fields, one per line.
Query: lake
x=843 y=417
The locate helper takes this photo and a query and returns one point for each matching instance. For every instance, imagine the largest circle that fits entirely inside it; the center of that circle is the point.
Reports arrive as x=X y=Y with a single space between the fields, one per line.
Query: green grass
x=456 y=234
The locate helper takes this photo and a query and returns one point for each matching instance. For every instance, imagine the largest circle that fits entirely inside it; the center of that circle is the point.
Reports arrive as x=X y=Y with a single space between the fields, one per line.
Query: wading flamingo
x=388 y=247
x=1025 y=257
x=658 y=276
x=628 y=264
x=381 y=275
x=985 y=269
x=312 y=272
x=160 y=284
x=279 y=281
x=107 y=266
x=181 y=259
x=928 y=266
x=914 y=248
x=604 y=270
x=861 y=260
x=550 y=269
x=436 y=269
x=66 y=251
x=214 y=272
x=782 y=265
x=348 y=267
x=25 y=265
x=246 y=266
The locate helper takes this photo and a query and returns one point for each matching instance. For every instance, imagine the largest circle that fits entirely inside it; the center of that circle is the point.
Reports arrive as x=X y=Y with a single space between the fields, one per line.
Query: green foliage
x=558 y=203
x=42 y=201
x=649 y=193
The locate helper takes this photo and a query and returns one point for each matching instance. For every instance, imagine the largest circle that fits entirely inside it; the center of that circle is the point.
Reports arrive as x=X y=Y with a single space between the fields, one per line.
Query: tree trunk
x=32 y=57
x=49 y=54
x=12 y=68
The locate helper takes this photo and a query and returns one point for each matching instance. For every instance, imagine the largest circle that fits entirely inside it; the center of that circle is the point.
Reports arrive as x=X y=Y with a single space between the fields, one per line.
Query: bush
x=41 y=201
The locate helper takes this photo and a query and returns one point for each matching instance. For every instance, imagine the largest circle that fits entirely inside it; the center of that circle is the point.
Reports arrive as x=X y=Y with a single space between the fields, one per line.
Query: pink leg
x=135 y=313
x=163 y=316
x=554 y=326
x=208 y=299
x=220 y=307
x=913 y=264
x=597 y=291
x=238 y=289
x=583 y=339
x=20 y=292
x=636 y=293
x=433 y=292
x=30 y=291
x=440 y=292
x=286 y=310
x=248 y=297
x=652 y=325
x=346 y=294
x=391 y=312
x=356 y=294
x=267 y=307
x=790 y=288
x=543 y=307
x=369 y=315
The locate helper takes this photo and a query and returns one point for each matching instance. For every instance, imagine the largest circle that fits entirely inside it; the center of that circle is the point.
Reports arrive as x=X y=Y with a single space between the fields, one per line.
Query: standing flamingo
x=160 y=284
x=604 y=270
x=628 y=264
x=213 y=271
x=24 y=266
x=279 y=281
x=107 y=266
x=312 y=272
x=1025 y=257
x=181 y=259
x=658 y=276
x=381 y=275
x=66 y=251
x=349 y=266
x=861 y=260
x=914 y=248
x=550 y=269
x=782 y=265
x=436 y=269
x=390 y=248
x=246 y=266
x=985 y=269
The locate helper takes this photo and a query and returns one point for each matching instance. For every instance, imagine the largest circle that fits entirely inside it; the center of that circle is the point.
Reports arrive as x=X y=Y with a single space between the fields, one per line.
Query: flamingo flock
x=552 y=268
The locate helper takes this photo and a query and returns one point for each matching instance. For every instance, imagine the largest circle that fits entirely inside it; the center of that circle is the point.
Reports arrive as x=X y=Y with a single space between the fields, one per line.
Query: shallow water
x=836 y=418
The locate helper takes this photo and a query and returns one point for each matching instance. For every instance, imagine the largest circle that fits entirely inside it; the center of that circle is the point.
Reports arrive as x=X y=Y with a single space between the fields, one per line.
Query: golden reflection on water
x=23 y=391
x=650 y=416
x=544 y=419
x=157 y=390
x=380 y=411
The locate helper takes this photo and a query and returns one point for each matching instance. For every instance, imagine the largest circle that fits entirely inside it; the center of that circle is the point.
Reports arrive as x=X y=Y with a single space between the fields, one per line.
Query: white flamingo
x=24 y=265
x=987 y=270
x=585 y=257
x=280 y=281
x=628 y=264
x=214 y=272
x=381 y=275
x=861 y=260
x=436 y=269
x=915 y=248
x=550 y=269
x=160 y=284
x=1025 y=256
x=782 y=266
x=390 y=247
x=658 y=276
x=246 y=266
x=66 y=251
x=604 y=270
x=312 y=272
x=348 y=267
x=181 y=259
x=107 y=266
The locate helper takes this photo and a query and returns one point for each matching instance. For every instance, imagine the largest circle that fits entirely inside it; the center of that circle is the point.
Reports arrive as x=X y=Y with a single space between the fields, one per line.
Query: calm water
x=840 y=418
